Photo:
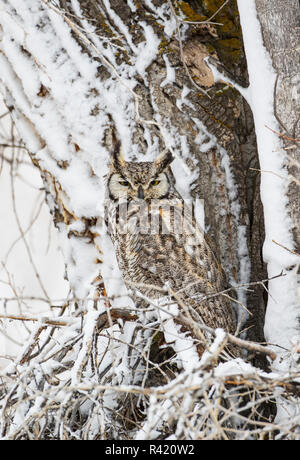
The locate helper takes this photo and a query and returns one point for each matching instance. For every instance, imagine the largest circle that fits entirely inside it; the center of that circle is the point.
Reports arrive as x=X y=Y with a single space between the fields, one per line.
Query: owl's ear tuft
x=163 y=160
x=117 y=158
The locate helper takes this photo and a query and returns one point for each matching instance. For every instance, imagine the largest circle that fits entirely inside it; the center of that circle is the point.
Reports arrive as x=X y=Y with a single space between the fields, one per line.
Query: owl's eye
x=154 y=182
x=125 y=183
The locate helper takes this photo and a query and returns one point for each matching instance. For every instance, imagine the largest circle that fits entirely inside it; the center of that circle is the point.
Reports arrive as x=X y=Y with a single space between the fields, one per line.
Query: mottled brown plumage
x=156 y=248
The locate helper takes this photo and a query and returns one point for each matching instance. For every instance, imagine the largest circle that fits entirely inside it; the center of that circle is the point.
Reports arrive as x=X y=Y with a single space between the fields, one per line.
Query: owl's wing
x=180 y=225
x=191 y=267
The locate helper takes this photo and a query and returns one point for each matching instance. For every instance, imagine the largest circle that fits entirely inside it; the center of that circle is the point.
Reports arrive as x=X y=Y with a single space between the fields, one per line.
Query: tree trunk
x=283 y=48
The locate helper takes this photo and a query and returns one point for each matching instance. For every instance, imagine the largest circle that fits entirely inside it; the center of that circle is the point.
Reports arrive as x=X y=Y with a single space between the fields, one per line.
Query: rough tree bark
x=280 y=32
x=222 y=120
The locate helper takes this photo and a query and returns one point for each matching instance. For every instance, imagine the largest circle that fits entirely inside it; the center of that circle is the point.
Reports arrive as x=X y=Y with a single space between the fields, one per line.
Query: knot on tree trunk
x=194 y=54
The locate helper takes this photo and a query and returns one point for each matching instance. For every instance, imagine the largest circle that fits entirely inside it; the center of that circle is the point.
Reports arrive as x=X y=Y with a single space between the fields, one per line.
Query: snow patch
x=147 y=50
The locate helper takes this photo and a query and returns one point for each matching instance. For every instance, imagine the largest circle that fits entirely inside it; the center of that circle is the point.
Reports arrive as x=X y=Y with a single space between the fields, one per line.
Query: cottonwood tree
x=195 y=78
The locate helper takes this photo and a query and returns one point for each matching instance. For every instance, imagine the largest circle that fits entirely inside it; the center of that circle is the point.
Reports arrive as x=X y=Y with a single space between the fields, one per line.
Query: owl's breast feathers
x=155 y=248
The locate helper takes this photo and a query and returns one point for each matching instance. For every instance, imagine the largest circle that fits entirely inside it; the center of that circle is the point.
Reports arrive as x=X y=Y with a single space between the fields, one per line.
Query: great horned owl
x=158 y=245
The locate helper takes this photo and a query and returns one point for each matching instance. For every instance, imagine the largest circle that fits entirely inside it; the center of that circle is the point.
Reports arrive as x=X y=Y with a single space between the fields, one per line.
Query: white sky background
x=43 y=243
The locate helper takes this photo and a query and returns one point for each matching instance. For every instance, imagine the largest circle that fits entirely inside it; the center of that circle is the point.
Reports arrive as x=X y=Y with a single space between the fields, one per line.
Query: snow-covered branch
x=91 y=363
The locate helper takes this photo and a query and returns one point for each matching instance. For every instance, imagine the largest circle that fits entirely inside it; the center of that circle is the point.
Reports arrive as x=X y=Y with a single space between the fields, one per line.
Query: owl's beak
x=141 y=193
